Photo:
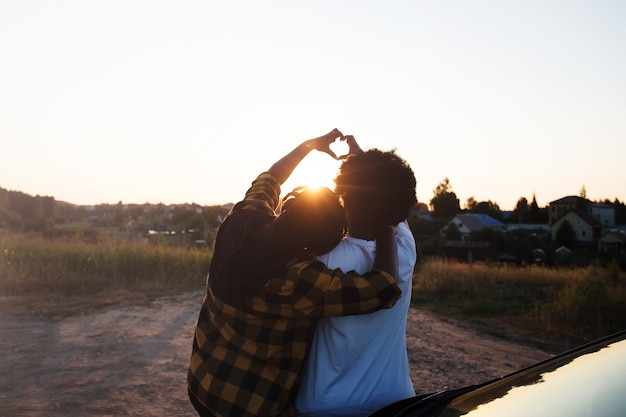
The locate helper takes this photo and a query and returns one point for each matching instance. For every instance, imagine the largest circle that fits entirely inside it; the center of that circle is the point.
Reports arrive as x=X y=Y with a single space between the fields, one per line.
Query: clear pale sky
x=187 y=101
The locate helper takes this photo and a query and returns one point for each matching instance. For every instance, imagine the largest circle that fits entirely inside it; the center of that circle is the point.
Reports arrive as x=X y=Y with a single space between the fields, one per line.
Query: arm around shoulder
x=323 y=292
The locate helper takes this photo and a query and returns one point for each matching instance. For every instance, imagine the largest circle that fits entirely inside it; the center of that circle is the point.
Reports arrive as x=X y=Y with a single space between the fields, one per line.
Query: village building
x=604 y=213
x=612 y=241
x=587 y=227
x=464 y=249
x=466 y=223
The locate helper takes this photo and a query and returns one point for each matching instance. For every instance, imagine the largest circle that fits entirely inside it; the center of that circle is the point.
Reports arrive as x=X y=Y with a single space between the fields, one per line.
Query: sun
x=315 y=171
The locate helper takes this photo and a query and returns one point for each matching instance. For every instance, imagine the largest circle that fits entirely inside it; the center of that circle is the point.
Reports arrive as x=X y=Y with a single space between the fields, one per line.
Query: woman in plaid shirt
x=266 y=288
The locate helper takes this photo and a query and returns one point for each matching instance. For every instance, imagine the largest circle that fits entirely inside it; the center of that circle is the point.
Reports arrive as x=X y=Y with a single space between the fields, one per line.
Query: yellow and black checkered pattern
x=247 y=354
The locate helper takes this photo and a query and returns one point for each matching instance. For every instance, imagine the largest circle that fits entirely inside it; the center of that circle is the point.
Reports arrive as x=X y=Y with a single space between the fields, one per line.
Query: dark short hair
x=378 y=185
x=313 y=216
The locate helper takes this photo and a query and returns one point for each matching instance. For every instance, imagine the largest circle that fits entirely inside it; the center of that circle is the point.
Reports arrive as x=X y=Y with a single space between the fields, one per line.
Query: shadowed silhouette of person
x=361 y=361
x=266 y=288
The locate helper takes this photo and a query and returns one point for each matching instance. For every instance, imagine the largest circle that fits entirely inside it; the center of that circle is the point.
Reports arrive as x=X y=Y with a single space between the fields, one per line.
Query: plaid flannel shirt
x=247 y=355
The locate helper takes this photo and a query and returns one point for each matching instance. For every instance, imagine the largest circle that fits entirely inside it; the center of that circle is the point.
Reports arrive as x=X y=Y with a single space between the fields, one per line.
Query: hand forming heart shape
x=340 y=148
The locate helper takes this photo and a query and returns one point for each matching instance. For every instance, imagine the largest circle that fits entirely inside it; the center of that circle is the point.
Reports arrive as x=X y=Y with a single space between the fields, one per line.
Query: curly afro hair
x=378 y=185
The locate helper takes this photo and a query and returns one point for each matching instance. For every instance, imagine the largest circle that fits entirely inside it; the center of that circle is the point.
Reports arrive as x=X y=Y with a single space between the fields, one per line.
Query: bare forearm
x=282 y=169
x=387 y=251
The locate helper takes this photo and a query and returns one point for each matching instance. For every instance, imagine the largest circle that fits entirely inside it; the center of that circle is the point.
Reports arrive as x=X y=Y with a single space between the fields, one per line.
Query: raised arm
x=282 y=169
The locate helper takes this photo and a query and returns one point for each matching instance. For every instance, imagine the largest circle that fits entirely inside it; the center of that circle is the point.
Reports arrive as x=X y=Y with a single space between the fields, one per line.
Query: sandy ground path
x=131 y=359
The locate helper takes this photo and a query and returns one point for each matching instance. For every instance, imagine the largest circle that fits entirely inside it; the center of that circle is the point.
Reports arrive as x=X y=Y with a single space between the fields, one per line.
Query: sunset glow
x=188 y=101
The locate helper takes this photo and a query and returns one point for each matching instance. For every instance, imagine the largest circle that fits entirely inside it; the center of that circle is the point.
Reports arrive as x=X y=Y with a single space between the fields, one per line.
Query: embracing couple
x=307 y=296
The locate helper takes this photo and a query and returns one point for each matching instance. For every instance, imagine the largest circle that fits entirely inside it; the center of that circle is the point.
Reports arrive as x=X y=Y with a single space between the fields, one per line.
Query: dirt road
x=130 y=359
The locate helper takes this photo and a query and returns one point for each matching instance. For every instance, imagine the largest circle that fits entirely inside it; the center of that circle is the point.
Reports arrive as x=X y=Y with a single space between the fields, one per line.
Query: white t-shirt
x=358 y=361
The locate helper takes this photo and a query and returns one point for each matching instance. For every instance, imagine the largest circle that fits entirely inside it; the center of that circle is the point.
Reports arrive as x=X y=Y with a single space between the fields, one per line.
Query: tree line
x=517 y=243
x=446 y=204
x=23 y=212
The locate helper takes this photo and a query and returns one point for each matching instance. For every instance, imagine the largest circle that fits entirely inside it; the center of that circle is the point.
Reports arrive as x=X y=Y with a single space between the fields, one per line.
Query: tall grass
x=593 y=303
x=579 y=304
x=75 y=266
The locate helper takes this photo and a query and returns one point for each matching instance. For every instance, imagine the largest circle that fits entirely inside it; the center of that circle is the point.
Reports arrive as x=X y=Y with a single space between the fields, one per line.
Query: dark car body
x=586 y=381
